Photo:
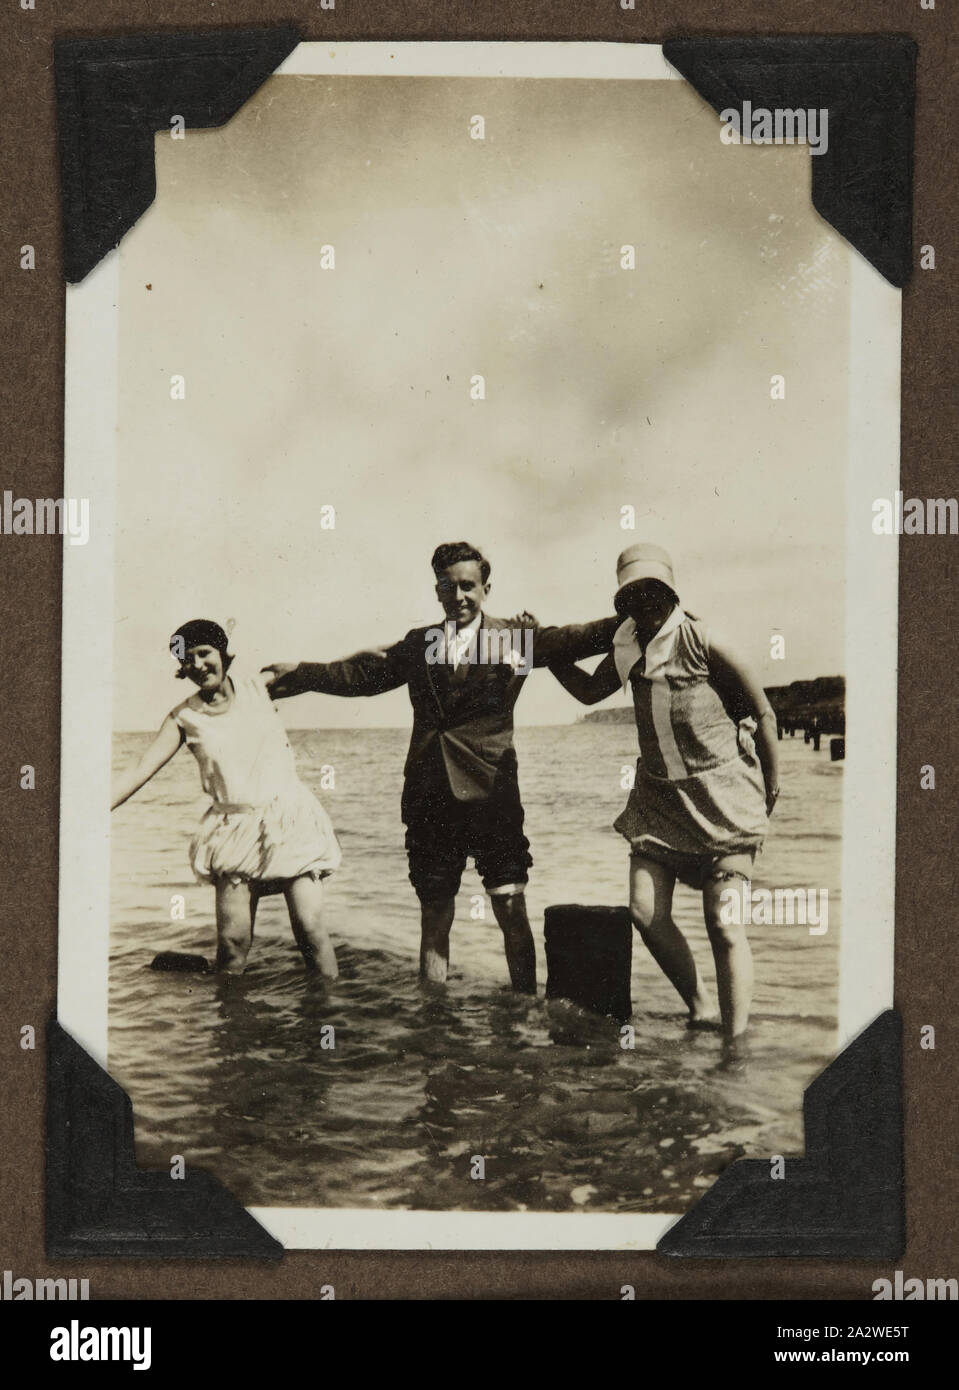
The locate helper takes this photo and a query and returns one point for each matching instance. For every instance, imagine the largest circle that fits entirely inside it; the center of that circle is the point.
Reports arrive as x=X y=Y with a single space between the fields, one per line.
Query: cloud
x=350 y=387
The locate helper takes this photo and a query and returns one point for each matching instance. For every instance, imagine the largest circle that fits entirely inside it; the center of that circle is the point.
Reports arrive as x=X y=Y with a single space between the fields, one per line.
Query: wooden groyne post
x=589 y=956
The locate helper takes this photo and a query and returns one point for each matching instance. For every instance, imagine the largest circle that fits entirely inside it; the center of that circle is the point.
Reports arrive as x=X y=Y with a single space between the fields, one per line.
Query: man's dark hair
x=454 y=552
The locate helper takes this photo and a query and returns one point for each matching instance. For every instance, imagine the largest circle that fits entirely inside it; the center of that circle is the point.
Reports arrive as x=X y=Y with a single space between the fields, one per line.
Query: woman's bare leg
x=304 y=899
x=235 y=915
x=734 y=959
x=650 y=906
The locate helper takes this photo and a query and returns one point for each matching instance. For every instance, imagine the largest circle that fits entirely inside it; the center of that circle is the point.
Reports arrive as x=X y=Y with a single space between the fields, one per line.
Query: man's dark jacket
x=468 y=717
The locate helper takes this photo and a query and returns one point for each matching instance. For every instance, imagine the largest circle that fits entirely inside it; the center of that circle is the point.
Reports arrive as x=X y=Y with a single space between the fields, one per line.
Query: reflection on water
x=233 y=1073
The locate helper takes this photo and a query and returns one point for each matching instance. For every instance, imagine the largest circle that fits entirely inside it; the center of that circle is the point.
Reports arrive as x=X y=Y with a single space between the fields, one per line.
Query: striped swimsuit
x=699 y=788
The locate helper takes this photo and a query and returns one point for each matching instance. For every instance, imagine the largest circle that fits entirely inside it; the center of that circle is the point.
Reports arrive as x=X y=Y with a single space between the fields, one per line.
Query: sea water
x=237 y=1074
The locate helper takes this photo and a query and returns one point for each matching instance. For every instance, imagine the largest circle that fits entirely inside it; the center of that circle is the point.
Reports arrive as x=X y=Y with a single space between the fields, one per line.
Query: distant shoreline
x=822 y=700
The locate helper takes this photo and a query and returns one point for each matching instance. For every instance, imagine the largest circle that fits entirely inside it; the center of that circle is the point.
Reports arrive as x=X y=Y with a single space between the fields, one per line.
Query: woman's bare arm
x=589 y=688
x=161 y=750
x=745 y=693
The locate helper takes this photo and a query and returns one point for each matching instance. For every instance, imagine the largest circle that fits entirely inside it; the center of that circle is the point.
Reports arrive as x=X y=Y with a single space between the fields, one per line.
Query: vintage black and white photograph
x=479 y=684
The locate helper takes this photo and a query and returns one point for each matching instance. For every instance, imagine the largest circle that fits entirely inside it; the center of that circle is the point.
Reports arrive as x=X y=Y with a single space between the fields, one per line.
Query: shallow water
x=232 y=1073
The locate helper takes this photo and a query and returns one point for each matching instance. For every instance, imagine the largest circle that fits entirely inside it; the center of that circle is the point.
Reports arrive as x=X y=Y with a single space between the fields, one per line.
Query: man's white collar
x=462 y=634
x=460 y=640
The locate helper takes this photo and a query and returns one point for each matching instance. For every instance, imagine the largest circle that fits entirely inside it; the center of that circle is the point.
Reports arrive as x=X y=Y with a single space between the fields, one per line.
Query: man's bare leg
x=510 y=912
x=436 y=920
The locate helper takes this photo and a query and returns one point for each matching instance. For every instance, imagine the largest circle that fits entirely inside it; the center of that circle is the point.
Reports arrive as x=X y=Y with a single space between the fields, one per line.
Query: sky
x=349 y=388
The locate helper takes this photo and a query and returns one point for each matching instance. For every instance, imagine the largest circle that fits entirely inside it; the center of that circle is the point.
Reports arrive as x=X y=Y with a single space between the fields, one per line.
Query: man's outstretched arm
x=575 y=642
x=366 y=673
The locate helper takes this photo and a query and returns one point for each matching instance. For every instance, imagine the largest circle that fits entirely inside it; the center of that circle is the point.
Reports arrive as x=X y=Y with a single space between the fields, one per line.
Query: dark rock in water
x=589 y=954
x=181 y=961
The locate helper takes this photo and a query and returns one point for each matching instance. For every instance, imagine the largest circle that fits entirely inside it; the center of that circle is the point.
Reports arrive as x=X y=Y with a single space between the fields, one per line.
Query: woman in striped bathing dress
x=703 y=791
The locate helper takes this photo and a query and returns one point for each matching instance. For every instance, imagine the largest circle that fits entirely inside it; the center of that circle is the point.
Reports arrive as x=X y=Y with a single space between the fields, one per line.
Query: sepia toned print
x=403 y=360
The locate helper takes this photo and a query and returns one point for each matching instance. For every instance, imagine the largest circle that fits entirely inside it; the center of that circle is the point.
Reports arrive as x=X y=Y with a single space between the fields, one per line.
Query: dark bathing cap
x=199 y=632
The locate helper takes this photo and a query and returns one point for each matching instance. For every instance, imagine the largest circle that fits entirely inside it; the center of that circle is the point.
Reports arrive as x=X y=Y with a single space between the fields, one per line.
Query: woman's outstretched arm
x=745 y=693
x=161 y=750
x=589 y=688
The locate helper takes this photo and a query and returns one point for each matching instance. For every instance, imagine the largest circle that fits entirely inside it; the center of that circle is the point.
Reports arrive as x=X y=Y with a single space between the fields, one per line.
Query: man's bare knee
x=510 y=893
x=509 y=907
x=436 y=916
